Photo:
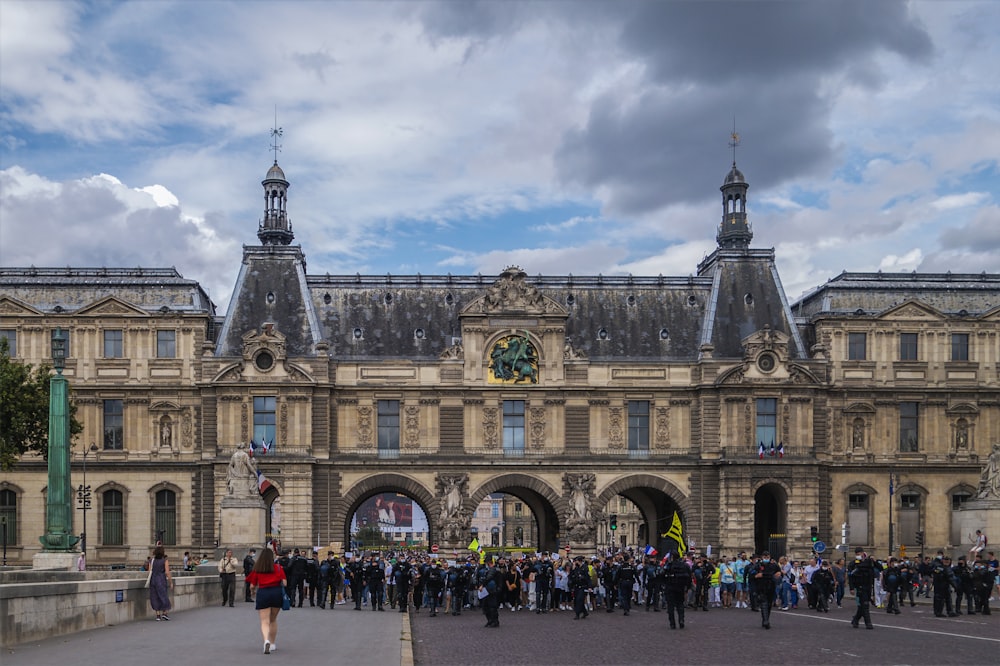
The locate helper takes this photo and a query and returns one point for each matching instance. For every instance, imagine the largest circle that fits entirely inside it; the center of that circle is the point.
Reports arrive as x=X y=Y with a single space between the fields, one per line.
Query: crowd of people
x=546 y=583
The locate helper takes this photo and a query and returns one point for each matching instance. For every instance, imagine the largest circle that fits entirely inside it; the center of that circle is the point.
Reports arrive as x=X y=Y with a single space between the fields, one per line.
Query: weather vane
x=276 y=133
x=734 y=140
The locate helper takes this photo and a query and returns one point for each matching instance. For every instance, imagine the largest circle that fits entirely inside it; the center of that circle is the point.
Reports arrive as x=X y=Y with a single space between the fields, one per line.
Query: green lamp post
x=59 y=535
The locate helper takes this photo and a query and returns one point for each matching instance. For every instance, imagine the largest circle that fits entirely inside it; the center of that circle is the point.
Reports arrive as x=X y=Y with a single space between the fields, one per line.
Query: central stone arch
x=544 y=501
x=657 y=499
x=379 y=483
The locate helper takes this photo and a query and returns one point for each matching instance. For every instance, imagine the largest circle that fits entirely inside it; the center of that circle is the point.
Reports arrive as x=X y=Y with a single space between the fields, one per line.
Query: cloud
x=99 y=221
x=964 y=200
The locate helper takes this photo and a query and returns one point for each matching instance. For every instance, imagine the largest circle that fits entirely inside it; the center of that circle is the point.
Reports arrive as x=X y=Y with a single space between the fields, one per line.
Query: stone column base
x=243 y=522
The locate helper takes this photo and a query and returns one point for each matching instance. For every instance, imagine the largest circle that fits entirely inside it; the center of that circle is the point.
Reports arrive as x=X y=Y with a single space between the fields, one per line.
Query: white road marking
x=889 y=626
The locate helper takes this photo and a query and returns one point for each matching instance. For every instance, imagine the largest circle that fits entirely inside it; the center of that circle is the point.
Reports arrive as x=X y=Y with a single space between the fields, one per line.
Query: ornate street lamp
x=58 y=508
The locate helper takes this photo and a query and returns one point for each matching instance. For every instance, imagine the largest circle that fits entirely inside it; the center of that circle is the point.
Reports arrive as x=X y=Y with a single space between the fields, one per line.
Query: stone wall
x=58 y=604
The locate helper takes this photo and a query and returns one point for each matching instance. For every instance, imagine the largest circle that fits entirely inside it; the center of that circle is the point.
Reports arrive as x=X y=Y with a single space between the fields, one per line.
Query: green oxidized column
x=58 y=535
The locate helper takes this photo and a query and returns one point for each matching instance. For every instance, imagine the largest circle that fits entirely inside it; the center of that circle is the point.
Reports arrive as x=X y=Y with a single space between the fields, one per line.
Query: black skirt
x=269 y=597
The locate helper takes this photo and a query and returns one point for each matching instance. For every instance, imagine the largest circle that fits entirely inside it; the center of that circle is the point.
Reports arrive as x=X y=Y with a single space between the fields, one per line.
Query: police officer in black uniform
x=609 y=579
x=296 y=575
x=678 y=582
x=861 y=577
x=941 y=576
x=579 y=585
x=311 y=577
x=892 y=578
x=489 y=579
x=375 y=578
x=402 y=572
x=543 y=583
x=766 y=574
x=248 y=563
x=356 y=576
x=435 y=586
x=982 y=585
x=962 y=577
x=823 y=582
x=626 y=579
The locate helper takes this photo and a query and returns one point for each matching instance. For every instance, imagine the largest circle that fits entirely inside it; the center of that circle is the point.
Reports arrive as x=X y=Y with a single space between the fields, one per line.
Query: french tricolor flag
x=262 y=483
x=650 y=551
x=760 y=451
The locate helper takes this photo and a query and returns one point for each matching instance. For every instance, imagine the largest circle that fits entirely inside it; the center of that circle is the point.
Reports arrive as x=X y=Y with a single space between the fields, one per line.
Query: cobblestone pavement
x=217 y=636
x=715 y=637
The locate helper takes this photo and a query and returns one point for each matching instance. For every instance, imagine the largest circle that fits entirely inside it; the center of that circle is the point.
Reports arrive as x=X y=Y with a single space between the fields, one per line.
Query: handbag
x=286 y=603
x=149 y=575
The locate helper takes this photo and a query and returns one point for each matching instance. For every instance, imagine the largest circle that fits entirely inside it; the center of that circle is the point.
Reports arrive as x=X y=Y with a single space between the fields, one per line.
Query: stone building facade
x=710 y=395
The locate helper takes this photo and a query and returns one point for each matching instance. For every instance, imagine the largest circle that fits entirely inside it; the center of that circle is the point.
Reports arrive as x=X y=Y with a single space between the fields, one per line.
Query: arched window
x=112 y=518
x=8 y=515
x=165 y=521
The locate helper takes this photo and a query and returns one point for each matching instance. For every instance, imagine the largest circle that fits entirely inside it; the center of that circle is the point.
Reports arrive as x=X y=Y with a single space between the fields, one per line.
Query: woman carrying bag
x=267 y=582
x=159 y=581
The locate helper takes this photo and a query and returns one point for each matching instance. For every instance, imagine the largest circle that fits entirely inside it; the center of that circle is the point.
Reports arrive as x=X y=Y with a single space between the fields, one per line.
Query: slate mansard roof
x=70 y=290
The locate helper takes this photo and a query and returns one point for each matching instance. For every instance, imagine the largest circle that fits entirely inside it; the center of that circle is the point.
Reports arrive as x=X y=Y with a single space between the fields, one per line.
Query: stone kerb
x=36 y=610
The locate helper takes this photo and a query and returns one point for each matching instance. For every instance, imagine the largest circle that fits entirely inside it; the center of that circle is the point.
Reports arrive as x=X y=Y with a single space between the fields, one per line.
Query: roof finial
x=276 y=133
x=734 y=140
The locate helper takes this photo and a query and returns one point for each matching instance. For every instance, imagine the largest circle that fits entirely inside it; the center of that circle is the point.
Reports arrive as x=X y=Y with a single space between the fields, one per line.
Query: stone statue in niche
x=858 y=434
x=166 y=433
x=962 y=435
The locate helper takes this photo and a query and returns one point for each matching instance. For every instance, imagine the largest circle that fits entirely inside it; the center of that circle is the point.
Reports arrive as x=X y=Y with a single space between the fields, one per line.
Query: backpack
x=791 y=578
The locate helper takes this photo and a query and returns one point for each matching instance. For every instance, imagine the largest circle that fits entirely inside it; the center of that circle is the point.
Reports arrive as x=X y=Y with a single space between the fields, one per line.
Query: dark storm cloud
x=669 y=147
x=706 y=64
x=725 y=42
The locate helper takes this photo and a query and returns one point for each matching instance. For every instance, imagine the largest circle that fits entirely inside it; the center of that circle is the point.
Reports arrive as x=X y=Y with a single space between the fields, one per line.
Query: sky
x=464 y=137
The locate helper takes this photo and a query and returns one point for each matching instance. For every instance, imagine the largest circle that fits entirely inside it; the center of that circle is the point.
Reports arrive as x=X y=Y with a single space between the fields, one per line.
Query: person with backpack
x=678 y=582
x=435 y=586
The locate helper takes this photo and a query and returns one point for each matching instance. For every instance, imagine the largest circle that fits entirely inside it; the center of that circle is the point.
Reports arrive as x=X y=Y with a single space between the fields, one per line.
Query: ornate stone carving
x=512 y=293
x=580 y=521
x=858 y=434
x=453 y=518
x=187 y=428
x=456 y=351
x=411 y=427
x=366 y=435
x=513 y=359
x=166 y=432
x=661 y=437
x=571 y=353
x=491 y=427
x=536 y=426
x=616 y=428
x=244 y=422
x=989 y=481
x=283 y=423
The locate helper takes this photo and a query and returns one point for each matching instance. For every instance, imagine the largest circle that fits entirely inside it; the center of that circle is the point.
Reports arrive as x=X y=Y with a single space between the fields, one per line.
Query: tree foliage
x=24 y=409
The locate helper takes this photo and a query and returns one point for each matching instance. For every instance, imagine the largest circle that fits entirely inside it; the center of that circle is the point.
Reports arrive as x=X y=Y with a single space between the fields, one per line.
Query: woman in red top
x=267 y=582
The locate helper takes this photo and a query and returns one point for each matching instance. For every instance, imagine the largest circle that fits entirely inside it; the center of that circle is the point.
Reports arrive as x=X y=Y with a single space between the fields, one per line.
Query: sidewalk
x=221 y=635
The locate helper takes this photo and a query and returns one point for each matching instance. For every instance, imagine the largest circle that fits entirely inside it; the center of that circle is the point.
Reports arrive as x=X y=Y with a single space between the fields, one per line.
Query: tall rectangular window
x=767 y=421
x=638 y=425
x=165 y=521
x=495 y=510
x=8 y=514
x=513 y=425
x=909 y=517
x=857 y=346
x=388 y=425
x=10 y=335
x=908 y=420
x=166 y=344
x=960 y=346
x=113 y=344
x=907 y=346
x=112 y=518
x=857 y=518
x=264 y=419
x=113 y=425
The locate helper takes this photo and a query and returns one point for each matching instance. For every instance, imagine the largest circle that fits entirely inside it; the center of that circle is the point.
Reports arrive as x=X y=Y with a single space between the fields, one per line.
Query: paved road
x=716 y=637
x=217 y=635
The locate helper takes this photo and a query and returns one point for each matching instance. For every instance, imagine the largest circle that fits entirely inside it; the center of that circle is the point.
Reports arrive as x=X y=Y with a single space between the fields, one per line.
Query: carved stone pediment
x=111 y=306
x=910 y=311
x=267 y=339
x=766 y=340
x=512 y=293
x=11 y=306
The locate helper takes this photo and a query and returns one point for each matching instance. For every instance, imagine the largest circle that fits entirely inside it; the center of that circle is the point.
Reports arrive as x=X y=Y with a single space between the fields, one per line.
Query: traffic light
x=919 y=538
x=814 y=534
x=614 y=521
x=902 y=551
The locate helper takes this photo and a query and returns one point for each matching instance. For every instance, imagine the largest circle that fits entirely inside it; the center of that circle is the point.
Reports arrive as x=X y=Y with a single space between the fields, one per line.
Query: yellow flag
x=474 y=545
x=676 y=532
